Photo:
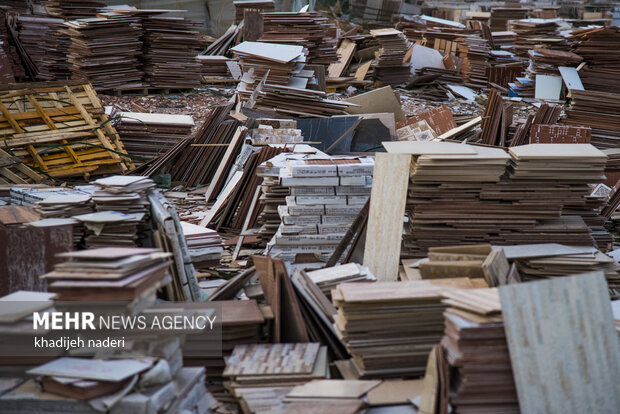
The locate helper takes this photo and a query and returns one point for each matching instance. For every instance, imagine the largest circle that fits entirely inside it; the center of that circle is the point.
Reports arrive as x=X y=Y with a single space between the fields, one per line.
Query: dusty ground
x=197 y=104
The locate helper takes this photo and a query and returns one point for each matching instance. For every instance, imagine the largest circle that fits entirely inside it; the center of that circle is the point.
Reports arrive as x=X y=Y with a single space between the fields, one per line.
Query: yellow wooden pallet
x=60 y=129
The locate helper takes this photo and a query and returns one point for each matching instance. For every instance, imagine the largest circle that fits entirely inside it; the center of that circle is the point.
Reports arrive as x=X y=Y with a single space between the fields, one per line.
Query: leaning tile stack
x=389 y=328
x=524 y=206
x=105 y=50
x=170 y=48
x=147 y=136
x=284 y=88
x=476 y=350
x=47 y=44
x=310 y=30
x=326 y=196
x=393 y=45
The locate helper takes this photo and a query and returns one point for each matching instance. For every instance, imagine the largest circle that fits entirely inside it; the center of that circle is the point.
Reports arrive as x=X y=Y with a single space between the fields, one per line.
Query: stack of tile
x=147 y=136
x=599 y=111
x=273 y=195
x=269 y=365
x=72 y=9
x=500 y=16
x=111 y=228
x=105 y=51
x=61 y=203
x=390 y=68
x=214 y=66
x=599 y=48
x=525 y=205
x=389 y=328
x=274 y=79
x=47 y=45
x=328 y=278
x=565 y=163
x=575 y=167
x=543 y=261
x=170 y=48
x=87 y=275
x=326 y=196
x=503 y=39
x=310 y=30
x=66 y=204
x=481 y=380
x=122 y=193
x=536 y=33
x=204 y=245
x=475 y=54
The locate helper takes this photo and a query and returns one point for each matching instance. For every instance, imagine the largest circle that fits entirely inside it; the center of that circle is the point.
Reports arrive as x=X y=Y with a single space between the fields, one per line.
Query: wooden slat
x=17 y=128
x=102 y=138
x=563 y=345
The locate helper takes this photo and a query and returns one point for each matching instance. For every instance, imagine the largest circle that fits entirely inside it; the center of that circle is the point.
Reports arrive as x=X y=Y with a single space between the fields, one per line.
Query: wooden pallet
x=60 y=129
x=13 y=171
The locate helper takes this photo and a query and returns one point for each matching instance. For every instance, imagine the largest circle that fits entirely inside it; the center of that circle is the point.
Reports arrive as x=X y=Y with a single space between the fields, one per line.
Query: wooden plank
x=385 y=219
x=563 y=345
